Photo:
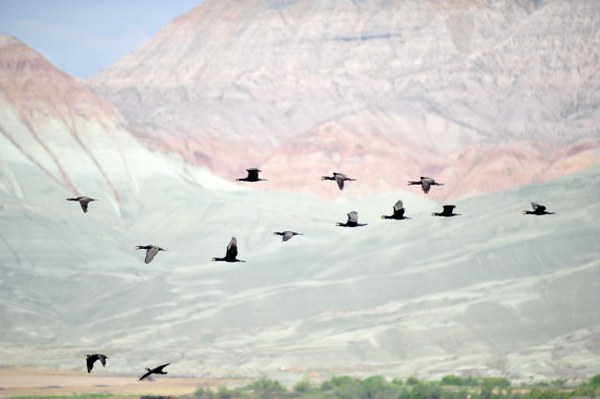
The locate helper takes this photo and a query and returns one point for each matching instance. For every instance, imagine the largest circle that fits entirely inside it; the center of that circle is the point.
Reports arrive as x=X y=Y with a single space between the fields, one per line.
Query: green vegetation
x=377 y=387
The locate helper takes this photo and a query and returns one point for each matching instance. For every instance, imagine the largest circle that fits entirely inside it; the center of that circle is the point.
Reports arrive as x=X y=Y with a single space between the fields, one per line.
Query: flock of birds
x=232 y=252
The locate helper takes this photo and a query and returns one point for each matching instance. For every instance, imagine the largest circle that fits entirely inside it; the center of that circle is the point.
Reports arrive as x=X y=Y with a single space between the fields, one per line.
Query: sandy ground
x=33 y=382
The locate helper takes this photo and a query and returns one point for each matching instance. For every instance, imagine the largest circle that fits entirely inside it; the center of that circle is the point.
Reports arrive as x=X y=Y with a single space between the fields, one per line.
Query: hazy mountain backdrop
x=499 y=100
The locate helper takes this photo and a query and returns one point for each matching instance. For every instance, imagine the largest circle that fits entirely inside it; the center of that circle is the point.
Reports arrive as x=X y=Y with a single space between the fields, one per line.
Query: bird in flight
x=83 y=201
x=537 y=210
x=447 y=212
x=91 y=359
x=398 y=212
x=231 y=254
x=425 y=183
x=286 y=235
x=151 y=251
x=156 y=370
x=339 y=178
x=352 y=221
x=252 y=175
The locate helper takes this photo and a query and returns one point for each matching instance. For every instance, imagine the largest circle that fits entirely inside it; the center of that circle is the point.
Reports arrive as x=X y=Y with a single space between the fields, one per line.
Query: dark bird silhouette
x=537 y=210
x=447 y=212
x=231 y=254
x=339 y=178
x=83 y=201
x=425 y=183
x=252 y=175
x=286 y=235
x=352 y=221
x=151 y=251
x=91 y=359
x=156 y=370
x=398 y=212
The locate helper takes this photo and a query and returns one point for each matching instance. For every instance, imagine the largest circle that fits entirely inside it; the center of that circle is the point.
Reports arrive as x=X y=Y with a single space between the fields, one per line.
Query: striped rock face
x=480 y=95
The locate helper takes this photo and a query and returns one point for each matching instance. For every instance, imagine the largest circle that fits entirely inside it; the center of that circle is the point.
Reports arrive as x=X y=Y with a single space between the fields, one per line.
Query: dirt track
x=31 y=381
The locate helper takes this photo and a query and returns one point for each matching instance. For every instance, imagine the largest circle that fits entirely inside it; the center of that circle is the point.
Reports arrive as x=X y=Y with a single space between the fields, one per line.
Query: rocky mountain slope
x=482 y=95
x=488 y=292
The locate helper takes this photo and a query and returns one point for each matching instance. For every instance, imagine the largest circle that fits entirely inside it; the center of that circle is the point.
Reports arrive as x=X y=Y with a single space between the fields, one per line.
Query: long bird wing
x=90 y=363
x=537 y=207
x=353 y=217
x=160 y=368
x=146 y=375
x=253 y=173
x=84 y=204
x=103 y=359
x=339 y=179
x=287 y=235
x=150 y=254
x=448 y=209
x=398 y=205
x=232 y=250
x=426 y=185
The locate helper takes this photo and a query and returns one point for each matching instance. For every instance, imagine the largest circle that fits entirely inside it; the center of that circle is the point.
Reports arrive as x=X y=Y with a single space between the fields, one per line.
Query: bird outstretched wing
x=339 y=179
x=425 y=185
x=287 y=235
x=150 y=254
x=160 y=368
x=353 y=217
x=398 y=205
x=448 y=209
x=90 y=363
x=146 y=375
x=537 y=207
x=232 y=250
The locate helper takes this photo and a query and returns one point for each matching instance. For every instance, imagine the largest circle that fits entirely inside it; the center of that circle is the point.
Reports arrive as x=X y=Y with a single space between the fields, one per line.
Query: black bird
x=352 y=221
x=425 y=183
x=231 y=254
x=252 y=175
x=151 y=251
x=83 y=201
x=91 y=359
x=286 y=235
x=537 y=210
x=156 y=370
x=398 y=212
x=340 y=178
x=447 y=212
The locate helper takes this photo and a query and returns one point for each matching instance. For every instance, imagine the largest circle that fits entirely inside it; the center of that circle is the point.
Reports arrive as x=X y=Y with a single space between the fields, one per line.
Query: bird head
x=524 y=212
x=432 y=213
x=338 y=224
x=160 y=249
x=147 y=369
x=136 y=247
x=214 y=259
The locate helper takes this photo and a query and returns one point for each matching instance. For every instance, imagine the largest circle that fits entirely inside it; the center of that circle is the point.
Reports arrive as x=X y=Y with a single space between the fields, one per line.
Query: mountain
x=491 y=292
x=53 y=126
x=480 y=95
x=486 y=293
